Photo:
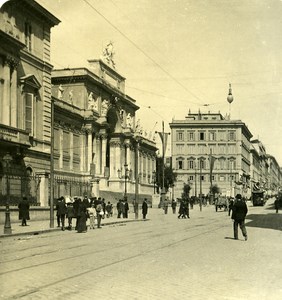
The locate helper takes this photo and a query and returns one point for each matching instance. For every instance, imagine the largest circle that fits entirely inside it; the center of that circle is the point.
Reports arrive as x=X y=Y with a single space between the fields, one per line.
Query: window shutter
x=29 y=113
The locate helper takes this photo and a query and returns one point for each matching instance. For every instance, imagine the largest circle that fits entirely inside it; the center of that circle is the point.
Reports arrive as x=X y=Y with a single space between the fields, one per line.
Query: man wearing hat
x=239 y=213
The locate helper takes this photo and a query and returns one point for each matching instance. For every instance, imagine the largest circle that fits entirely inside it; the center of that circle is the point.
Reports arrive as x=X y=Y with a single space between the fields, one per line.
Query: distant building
x=202 y=136
x=25 y=100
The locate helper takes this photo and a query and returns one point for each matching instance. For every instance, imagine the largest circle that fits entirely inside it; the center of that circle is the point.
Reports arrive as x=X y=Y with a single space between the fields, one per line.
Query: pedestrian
x=99 y=212
x=75 y=208
x=70 y=214
x=57 y=215
x=181 y=211
x=276 y=204
x=144 y=208
x=61 y=211
x=125 y=209
x=165 y=206
x=239 y=213
x=173 y=206
x=91 y=213
x=81 y=216
x=24 y=211
x=109 y=209
x=230 y=206
x=119 y=208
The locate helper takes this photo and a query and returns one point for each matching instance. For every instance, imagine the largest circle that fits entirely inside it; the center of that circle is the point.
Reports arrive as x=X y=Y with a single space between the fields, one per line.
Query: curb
x=40 y=231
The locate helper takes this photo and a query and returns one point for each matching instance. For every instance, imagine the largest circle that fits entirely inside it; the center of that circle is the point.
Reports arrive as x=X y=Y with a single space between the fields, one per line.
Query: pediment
x=30 y=81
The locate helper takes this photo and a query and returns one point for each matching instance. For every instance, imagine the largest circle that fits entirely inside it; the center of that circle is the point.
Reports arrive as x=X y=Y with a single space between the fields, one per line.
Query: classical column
x=118 y=157
x=98 y=154
x=94 y=146
x=71 y=150
x=113 y=169
x=82 y=151
x=61 y=148
x=104 y=152
x=6 y=94
x=89 y=148
x=13 y=95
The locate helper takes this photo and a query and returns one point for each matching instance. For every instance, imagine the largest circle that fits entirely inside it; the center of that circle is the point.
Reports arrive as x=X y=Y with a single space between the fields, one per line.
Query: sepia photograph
x=141 y=149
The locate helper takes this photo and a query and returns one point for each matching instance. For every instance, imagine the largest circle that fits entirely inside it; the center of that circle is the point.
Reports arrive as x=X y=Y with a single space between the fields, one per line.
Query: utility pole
x=52 y=167
x=163 y=135
x=200 y=184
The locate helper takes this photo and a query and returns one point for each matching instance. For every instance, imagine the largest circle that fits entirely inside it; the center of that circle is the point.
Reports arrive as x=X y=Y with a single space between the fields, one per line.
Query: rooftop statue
x=108 y=55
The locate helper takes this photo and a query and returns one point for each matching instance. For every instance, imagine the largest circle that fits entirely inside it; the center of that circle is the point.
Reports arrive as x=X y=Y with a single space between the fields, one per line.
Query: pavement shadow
x=270 y=221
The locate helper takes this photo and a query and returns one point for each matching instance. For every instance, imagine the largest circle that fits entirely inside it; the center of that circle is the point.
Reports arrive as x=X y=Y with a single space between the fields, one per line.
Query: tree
x=186 y=191
x=214 y=189
x=169 y=176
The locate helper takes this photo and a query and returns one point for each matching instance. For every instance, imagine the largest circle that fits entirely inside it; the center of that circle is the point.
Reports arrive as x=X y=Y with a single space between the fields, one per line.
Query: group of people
x=82 y=210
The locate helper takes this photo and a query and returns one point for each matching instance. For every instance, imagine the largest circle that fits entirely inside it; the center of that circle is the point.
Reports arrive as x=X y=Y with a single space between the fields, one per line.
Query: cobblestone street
x=161 y=258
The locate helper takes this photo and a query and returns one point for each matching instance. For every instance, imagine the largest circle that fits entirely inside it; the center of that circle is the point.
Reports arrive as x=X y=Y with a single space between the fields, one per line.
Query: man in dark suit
x=239 y=213
x=61 y=211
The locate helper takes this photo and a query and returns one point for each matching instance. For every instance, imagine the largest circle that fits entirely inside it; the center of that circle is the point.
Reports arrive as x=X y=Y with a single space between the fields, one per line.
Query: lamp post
x=126 y=176
x=7 y=227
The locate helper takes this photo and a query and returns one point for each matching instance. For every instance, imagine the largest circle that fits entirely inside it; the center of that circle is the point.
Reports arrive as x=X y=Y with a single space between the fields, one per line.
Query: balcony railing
x=15 y=135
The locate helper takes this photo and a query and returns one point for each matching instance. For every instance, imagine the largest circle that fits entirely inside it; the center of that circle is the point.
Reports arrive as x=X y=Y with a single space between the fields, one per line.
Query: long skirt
x=81 y=225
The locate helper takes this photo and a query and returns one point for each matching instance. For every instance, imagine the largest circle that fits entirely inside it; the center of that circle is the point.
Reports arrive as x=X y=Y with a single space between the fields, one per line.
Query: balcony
x=14 y=135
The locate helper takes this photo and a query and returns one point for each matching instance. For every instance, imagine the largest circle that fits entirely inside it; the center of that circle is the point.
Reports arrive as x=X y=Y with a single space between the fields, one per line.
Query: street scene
x=161 y=258
x=140 y=149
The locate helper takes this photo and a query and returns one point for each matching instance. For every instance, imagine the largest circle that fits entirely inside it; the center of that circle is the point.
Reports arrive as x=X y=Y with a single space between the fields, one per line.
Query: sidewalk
x=43 y=226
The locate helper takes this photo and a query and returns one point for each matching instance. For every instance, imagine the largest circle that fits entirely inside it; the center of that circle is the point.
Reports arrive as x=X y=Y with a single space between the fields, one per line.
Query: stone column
x=6 y=94
x=98 y=154
x=113 y=172
x=118 y=157
x=44 y=190
x=71 y=150
x=82 y=151
x=94 y=151
x=89 y=148
x=13 y=95
x=61 y=148
x=104 y=152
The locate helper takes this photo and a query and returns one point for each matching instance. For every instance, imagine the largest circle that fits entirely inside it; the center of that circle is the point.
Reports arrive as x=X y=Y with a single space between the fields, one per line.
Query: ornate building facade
x=25 y=100
x=97 y=137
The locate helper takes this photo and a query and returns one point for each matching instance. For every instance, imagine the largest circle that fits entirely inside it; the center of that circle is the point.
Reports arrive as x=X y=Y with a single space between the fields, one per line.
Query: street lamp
x=127 y=175
x=7 y=227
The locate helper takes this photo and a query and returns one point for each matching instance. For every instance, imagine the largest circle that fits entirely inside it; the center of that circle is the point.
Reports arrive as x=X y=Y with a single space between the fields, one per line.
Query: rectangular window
x=212 y=136
x=28 y=117
x=180 y=136
x=191 y=136
x=191 y=177
x=191 y=164
x=27 y=36
x=221 y=178
x=202 y=177
x=232 y=136
x=202 y=136
x=180 y=164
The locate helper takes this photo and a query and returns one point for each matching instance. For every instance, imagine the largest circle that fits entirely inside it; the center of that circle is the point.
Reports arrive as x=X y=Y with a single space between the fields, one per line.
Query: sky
x=178 y=55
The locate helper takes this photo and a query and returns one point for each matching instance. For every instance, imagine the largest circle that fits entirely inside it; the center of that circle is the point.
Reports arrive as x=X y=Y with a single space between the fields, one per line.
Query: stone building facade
x=97 y=136
x=25 y=100
x=202 y=138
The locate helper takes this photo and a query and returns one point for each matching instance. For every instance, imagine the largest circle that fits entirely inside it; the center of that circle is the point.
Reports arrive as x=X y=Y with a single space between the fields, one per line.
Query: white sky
x=181 y=54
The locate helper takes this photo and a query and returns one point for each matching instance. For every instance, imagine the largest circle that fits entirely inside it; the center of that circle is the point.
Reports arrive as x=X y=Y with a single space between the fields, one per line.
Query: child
x=91 y=213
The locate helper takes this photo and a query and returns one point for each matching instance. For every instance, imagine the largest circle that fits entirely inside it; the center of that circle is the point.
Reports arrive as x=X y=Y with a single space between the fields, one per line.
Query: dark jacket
x=23 y=210
x=61 y=208
x=144 y=208
x=239 y=210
